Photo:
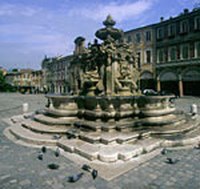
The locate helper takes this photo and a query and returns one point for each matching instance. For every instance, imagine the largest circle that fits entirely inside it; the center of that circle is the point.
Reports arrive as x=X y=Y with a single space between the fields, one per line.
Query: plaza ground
x=20 y=168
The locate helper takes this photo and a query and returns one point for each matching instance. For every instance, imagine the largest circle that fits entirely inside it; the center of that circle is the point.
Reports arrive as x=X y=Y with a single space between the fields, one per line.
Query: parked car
x=149 y=92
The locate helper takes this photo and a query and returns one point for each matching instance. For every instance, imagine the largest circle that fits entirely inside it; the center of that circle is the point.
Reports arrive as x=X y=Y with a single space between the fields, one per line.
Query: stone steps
x=30 y=137
x=42 y=128
x=158 y=112
x=61 y=113
x=53 y=120
x=182 y=128
x=101 y=152
x=109 y=137
x=108 y=153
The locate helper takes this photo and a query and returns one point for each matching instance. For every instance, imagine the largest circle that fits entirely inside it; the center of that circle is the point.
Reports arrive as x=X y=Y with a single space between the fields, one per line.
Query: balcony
x=185 y=62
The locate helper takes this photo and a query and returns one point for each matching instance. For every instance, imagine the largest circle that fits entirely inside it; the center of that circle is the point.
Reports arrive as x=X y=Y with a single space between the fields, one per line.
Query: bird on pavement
x=171 y=161
x=164 y=151
x=57 y=152
x=44 y=149
x=75 y=178
x=87 y=168
x=197 y=147
x=40 y=156
x=53 y=166
x=71 y=136
x=56 y=136
x=94 y=173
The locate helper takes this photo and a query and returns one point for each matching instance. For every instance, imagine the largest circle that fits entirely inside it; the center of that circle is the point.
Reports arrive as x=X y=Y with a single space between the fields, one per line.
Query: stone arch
x=168 y=75
x=146 y=75
x=191 y=74
x=147 y=80
x=168 y=81
x=191 y=81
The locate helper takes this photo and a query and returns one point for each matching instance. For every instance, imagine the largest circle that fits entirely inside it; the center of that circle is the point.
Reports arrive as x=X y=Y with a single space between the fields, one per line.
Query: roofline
x=182 y=14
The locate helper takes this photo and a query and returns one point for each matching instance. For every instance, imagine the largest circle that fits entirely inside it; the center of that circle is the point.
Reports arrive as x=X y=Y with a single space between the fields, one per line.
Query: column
x=158 y=84
x=180 y=86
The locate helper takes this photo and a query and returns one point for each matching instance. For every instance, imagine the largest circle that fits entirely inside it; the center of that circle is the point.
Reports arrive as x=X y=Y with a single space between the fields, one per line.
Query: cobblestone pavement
x=20 y=168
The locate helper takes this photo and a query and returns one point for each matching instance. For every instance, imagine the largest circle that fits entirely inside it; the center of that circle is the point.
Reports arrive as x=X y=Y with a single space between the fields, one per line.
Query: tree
x=5 y=87
x=2 y=81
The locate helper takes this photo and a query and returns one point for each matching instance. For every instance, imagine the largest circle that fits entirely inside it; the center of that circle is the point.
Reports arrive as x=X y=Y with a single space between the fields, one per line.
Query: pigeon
x=57 y=152
x=75 y=178
x=53 y=166
x=197 y=147
x=57 y=136
x=44 y=149
x=70 y=136
x=171 y=161
x=164 y=151
x=94 y=173
x=87 y=168
x=40 y=156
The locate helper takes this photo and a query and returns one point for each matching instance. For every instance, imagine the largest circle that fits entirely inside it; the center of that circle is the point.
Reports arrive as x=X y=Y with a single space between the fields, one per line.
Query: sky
x=31 y=29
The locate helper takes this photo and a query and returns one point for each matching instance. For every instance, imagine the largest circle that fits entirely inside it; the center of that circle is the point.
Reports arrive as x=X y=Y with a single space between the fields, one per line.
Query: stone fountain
x=107 y=119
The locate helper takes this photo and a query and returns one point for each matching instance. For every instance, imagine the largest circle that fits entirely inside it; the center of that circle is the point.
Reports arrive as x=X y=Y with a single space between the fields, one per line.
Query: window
x=148 y=56
x=192 y=49
x=139 y=59
x=197 y=23
x=185 y=51
x=171 y=30
x=160 y=56
x=160 y=33
x=138 y=37
x=172 y=53
x=148 y=35
x=184 y=27
x=198 y=49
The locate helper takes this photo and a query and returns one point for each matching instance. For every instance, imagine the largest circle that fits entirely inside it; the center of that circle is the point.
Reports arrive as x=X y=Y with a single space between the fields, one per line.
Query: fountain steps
x=132 y=124
x=109 y=153
x=91 y=137
x=60 y=113
x=49 y=120
x=106 y=138
x=42 y=128
x=92 y=151
x=131 y=135
x=103 y=146
x=158 y=112
x=30 y=137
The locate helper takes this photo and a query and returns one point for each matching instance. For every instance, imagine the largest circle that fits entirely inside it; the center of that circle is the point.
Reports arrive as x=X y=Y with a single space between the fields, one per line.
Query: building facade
x=26 y=80
x=167 y=55
x=143 y=42
x=177 y=50
x=56 y=74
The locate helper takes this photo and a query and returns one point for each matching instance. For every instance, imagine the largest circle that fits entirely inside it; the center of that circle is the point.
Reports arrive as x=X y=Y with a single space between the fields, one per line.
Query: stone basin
x=113 y=109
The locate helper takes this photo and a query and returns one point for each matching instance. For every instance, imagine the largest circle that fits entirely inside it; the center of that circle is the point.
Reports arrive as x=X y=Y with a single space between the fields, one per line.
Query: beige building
x=167 y=55
x=26 y=80
x=56 y=74
x=143 y=42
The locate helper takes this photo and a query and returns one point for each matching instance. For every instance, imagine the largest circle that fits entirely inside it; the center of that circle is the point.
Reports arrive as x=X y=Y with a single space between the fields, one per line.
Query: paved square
x=20 y=168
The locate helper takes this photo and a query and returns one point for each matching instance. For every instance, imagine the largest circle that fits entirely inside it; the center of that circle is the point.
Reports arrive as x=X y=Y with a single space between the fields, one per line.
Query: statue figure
x=107 y=68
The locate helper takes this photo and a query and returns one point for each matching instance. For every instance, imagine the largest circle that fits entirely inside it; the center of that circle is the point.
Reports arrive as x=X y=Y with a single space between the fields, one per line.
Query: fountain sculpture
x=107 y=118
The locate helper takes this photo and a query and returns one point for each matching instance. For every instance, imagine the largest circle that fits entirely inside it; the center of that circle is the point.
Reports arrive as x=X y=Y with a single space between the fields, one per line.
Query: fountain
x=107 y=119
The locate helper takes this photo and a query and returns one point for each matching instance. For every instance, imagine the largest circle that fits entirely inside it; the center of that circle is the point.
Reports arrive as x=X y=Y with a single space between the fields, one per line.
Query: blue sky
x=31 y=29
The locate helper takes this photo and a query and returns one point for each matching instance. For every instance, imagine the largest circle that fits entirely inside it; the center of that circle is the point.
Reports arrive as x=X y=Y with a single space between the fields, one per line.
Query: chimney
x=162 y=19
